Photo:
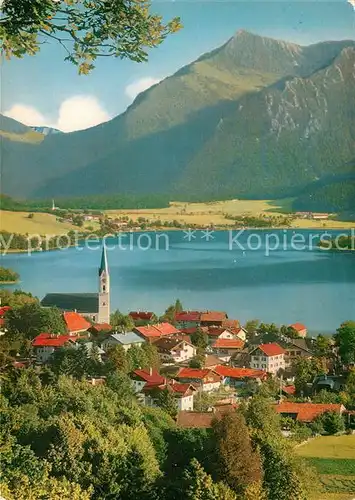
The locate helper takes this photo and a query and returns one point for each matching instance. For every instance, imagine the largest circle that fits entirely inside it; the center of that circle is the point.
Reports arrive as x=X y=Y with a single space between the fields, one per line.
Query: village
x=204 y=361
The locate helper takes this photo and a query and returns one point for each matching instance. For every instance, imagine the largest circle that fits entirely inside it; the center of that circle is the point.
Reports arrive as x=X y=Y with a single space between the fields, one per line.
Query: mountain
x=256 y=117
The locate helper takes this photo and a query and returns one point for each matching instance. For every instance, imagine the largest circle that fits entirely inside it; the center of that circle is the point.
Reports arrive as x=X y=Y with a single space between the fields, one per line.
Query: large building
x=93 y=305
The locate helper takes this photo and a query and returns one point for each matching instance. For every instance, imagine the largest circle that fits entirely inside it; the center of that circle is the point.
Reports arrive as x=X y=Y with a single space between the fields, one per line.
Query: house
x=76 y=323
x=141 y=378
x=97 y=328
x=232 y=324
x=320 y=216
x=188 y=319
x=126 y=340
x=151 y=333
x=205 y=380
x=213 y=318
x=306 y=412
x=241 y=333
x=142 y=316
x=331 y=383
x=241 y=358
x=295 y=349
x=238 y=376
x=46 y=343
x=268 y=357
x=224 y=348
x=183 y=394
x=195 y=420
x=174 y=350
x=211 y=361
x=289 y=390
x=215 y=333
x=300 y=329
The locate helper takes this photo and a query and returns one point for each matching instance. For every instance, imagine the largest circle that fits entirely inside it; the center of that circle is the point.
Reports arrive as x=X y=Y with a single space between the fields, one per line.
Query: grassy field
x=214 y=213
x=18 y=222
x=334 y=459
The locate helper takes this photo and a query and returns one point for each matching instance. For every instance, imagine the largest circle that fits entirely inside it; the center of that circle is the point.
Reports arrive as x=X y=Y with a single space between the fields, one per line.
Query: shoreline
x=174 y=229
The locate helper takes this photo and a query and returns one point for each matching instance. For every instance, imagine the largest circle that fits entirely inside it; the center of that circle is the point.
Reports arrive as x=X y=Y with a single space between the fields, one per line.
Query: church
x=95 y=306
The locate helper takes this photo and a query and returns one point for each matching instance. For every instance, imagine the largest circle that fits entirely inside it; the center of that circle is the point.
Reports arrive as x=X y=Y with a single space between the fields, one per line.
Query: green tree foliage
x=345 y=340
x=165 y=400
x=198 y=485
x=267 y=333
x=116 y=358
x=8 y=275
x=16 y=298
x=121 y=322
x=305 y=371
x=171 y=311
x=332 y=422
x=239 y=464
x=285 y=475
x=31 y=319
x=334 y=197
x=87 y=29
x=199 y=339
x=323 y=347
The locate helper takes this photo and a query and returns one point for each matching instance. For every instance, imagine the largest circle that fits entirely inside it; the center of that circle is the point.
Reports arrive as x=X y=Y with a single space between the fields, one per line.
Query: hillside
x=255 y=118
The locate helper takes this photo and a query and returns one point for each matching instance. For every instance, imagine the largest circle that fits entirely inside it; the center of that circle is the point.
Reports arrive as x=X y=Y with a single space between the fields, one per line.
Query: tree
x=116 y=359
x=120 y=322
x=323 y=347
x=151 y=356
x=16 y=298
x=171 y=311
x=31 y=319
x=239 y=464
x=165 y=400
x=332 y=422
x=199 y=339
x=268 y=333
x=198 y=485
x=251 y=327
x=289 y=331
x=345 y=340
x=305 y=371
x=86 y=29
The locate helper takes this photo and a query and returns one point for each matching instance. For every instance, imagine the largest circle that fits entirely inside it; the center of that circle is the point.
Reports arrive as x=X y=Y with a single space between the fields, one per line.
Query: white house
x=46 y=343
x=150 y=377
x=126 y=340
x=202 y=379
x=268 y=357
x=224 y=348
x=174 y=349
x=183 y=394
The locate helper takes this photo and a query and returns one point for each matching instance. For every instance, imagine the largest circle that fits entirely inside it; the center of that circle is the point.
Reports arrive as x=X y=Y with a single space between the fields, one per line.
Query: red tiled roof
x=189 y=331
x=51 y=340
x=298 y=327
x=181 y=388
x=193 y=373
x=158 y=330
x=102 y=327
x=193 y=419
x=231 y=323
x=188 y=316
x=227 y=371
x=2 y=321
x=4 y=310
x=228 y=344
x=143 y=315
x=76 y=322
x=289 y=389
x=213 y=316
x=306 y=412
x=211 y=360
x=215 y=331
x=152 y=377
x=271 y=349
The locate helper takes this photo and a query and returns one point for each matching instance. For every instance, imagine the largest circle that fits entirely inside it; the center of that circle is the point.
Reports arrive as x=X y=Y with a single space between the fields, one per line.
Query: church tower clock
x=104 y=290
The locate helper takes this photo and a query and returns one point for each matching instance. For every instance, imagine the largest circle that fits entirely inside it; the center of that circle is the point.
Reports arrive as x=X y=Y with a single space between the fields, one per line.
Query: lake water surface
x=314 y=287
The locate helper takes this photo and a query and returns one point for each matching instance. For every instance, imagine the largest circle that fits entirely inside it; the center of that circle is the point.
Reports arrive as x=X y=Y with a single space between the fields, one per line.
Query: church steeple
x=103 y=266
x=104 y=289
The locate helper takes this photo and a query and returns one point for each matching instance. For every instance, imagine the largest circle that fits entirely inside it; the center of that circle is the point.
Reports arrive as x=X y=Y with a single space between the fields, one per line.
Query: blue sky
x=46 y=89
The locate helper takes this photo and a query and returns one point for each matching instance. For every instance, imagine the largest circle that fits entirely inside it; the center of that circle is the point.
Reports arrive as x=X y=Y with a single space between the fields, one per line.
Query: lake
x=208 y=271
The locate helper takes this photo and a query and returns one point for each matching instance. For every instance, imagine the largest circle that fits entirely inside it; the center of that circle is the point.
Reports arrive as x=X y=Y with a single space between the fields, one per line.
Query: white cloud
x=26 y=115
x=138 y=86
x=75 y=113
x=80 y=112
x=352 y=2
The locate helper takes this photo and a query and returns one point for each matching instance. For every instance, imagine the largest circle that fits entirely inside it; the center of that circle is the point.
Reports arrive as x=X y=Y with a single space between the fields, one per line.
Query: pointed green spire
x=103 y=266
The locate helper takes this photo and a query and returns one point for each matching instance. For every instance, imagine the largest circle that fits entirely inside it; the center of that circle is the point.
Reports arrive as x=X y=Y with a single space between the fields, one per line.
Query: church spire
x=103 y=266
